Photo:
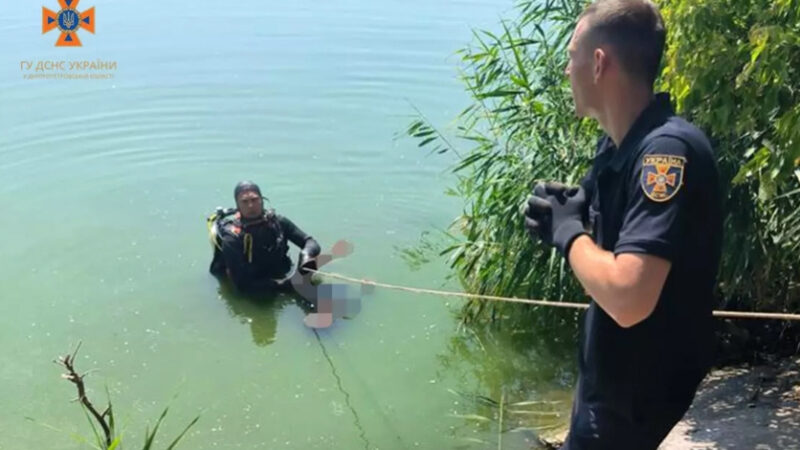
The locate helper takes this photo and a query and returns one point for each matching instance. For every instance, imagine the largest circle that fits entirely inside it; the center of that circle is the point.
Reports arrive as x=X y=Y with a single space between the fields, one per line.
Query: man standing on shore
x=642 y=234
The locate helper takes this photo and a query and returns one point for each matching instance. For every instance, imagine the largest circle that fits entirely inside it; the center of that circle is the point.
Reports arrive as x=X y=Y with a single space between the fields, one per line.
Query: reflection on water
x=303 y=95
x=515 y=385
x=259 y=311
x=321 y=302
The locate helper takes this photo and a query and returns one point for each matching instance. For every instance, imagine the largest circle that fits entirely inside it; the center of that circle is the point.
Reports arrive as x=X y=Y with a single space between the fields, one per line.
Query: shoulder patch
x=662 y=176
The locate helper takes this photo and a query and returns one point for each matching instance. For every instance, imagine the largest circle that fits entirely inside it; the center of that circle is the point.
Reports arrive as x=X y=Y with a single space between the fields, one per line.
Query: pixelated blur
x=326 y=302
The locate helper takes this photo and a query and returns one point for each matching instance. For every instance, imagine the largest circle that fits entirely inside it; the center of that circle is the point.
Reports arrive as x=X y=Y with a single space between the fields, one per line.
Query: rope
x=346 y=394
x=756 y=315
x=527 y=301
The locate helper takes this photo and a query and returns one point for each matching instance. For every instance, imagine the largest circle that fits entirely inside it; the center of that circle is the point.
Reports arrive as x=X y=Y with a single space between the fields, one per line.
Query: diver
x=251 y=244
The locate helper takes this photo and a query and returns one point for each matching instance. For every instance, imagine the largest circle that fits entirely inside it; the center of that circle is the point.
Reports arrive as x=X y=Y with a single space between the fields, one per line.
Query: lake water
x=106 y=184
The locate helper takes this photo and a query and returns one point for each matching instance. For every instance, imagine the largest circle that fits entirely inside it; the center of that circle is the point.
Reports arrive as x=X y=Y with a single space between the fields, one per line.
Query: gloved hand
x=305 y=262
x=311 y=248
x=555 y=214
x=552 y=188
x=538 y=213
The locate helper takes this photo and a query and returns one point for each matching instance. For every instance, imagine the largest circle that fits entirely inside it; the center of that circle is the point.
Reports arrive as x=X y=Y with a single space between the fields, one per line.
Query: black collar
x=659 y=109
x=254 y=223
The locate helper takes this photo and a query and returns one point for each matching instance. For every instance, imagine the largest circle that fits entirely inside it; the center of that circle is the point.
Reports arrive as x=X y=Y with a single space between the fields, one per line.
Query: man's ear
x=600 y=63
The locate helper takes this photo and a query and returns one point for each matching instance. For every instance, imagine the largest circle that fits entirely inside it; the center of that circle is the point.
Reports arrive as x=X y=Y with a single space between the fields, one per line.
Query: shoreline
x=743 y=407
x=740 y=407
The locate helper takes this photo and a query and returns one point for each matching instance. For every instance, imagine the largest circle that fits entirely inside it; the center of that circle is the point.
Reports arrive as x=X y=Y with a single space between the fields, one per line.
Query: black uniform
x=657 y=194
x=256 y=254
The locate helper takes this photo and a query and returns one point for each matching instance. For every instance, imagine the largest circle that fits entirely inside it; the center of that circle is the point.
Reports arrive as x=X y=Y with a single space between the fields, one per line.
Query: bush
x=520 y=128
x=732 y=67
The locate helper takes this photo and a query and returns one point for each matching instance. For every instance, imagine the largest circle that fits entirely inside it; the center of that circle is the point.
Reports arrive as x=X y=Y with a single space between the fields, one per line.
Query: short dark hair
x=634 y=29
x=245 y=186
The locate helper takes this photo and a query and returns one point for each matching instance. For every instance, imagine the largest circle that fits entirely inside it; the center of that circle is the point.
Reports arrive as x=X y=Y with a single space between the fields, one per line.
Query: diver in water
x=251 y=243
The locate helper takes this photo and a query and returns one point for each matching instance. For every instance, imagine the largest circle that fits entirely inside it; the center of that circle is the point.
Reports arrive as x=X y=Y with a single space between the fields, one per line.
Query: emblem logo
x=68 y=20
x=662 y=176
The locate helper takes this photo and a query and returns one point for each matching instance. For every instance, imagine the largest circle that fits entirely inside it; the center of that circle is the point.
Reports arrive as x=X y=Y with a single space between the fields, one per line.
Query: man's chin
x=251 y=216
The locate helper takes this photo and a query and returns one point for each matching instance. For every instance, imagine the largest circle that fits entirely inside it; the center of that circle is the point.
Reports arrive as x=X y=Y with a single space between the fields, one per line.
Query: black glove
x=308 y=256
x=538 y=213
x=552 y=188
x=311 y=247
x=306 y=261
x=555 y=214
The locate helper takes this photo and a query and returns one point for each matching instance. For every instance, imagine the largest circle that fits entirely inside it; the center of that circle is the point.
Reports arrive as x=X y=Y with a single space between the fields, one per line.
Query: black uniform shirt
x=657 y=194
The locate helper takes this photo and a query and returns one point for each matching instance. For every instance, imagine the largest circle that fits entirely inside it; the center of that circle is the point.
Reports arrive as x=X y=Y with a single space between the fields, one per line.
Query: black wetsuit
x=254 y=253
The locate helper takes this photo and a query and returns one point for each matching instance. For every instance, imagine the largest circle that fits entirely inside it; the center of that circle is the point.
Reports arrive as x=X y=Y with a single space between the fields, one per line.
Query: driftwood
x=104 y=418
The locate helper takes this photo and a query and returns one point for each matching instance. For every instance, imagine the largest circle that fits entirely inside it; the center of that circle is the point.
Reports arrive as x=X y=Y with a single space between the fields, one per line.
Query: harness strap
x=248 y=247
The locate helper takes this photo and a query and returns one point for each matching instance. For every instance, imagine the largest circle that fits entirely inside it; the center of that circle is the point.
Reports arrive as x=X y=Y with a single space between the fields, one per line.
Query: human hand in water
x=340 y=249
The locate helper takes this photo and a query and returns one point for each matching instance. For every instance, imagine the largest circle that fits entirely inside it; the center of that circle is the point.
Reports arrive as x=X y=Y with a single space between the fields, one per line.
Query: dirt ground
x=748 y=408
x=741 y=408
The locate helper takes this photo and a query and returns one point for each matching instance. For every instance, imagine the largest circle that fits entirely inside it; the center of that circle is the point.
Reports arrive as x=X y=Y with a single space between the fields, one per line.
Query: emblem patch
x=662 y=176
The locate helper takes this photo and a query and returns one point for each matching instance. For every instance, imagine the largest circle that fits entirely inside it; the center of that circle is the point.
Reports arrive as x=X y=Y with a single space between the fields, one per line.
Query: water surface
x=106 y=183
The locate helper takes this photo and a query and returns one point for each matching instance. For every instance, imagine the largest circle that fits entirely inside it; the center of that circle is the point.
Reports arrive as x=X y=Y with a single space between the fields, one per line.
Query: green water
x=106 y=183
